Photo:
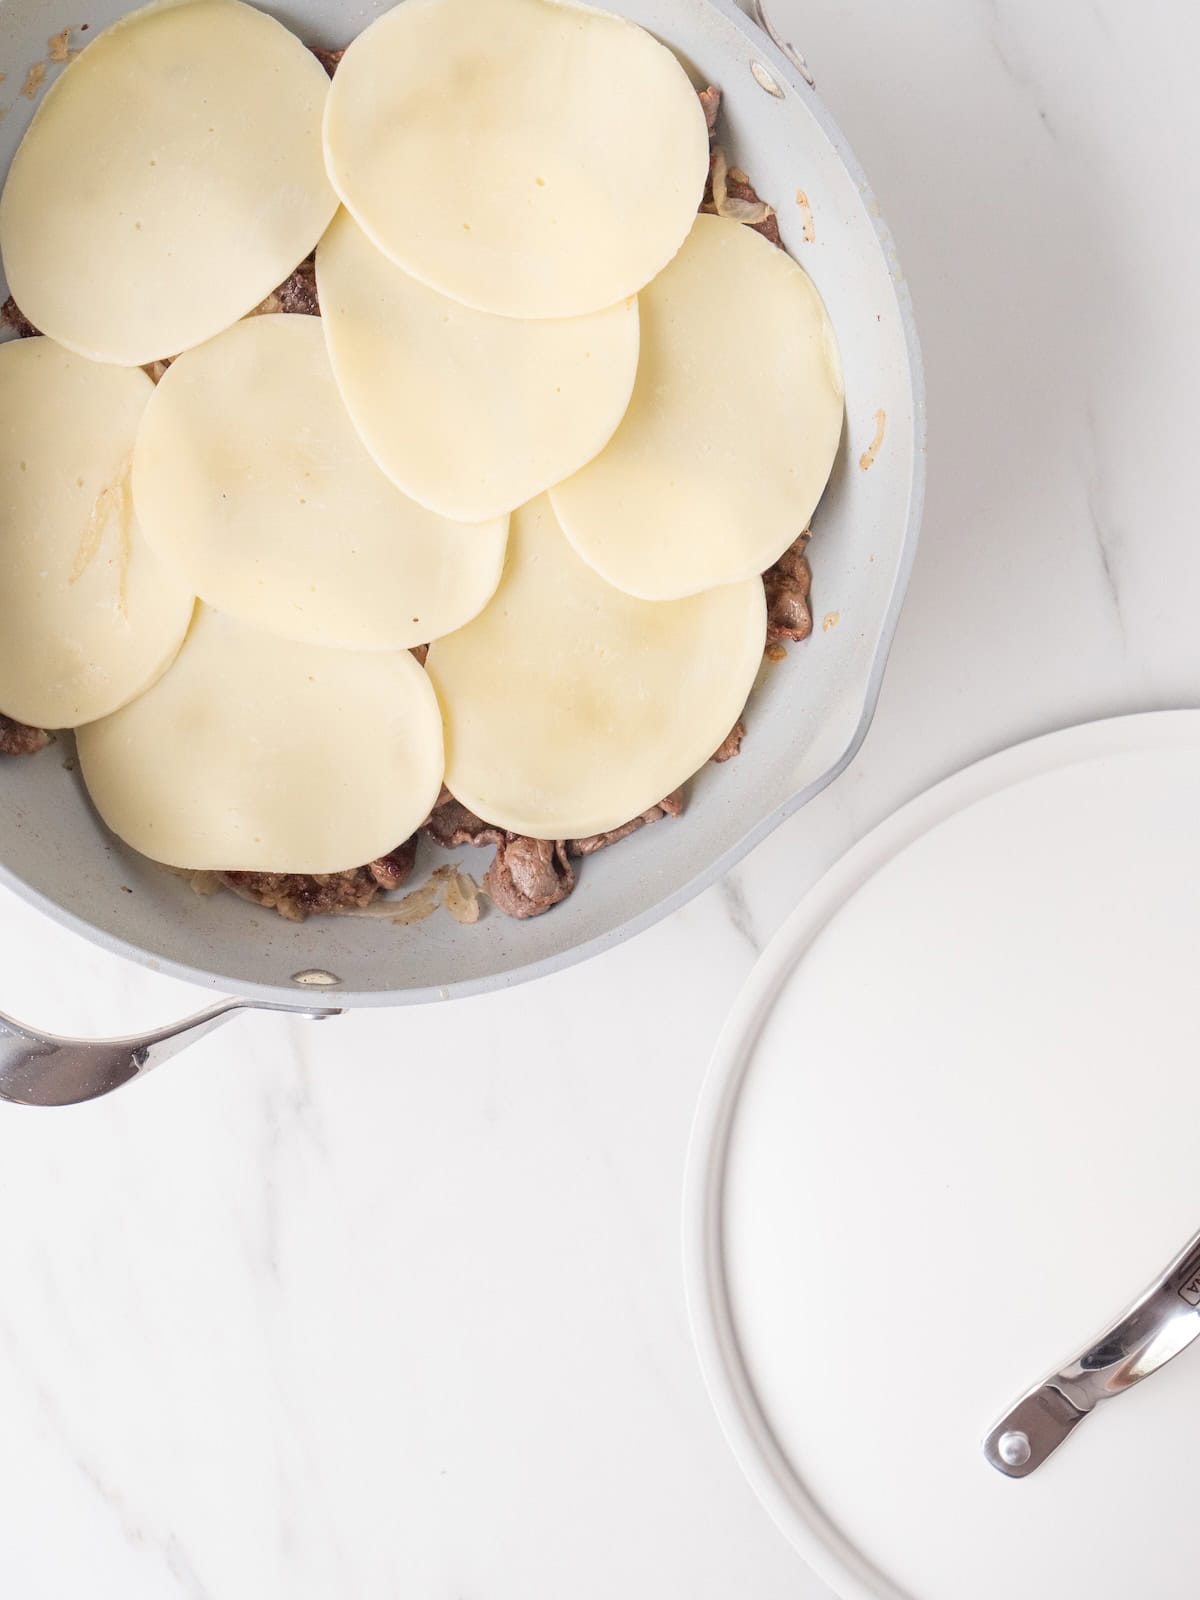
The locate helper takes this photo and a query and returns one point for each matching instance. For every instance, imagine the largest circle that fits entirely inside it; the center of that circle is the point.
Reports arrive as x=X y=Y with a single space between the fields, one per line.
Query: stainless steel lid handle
x=1157 y=1327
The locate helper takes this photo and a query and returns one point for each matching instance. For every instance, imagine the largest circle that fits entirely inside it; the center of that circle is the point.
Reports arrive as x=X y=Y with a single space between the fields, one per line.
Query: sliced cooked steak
x=295 y=896
x=739 y=187
x=789 y=587
x=451 y=824
x=329 y=59
x=13 y=317
x=731 y=745
x=729 y=192
x=298 y=294
x=395 y=869
x=672 y=806
x=18 y=740
x=529 y=876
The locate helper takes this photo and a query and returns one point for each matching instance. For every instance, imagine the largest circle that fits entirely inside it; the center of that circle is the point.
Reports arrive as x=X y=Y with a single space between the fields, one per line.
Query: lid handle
x=1159 y=1325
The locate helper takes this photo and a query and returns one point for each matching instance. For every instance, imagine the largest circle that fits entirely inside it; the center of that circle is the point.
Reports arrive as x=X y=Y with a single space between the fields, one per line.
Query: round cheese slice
x=171 y=178
x=529 y=157
x=469 y=413
x=732 y=431
x=571 y=707
x=252 y=484
x=89 y=617
x=260 y=754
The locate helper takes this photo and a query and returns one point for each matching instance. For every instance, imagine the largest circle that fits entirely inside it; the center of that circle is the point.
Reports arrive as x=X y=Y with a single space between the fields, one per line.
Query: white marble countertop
x=393 y=1306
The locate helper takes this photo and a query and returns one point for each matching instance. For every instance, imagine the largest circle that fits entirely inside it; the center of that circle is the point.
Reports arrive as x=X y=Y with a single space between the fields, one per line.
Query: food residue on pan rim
x=33 y=80
x=867 y=460
x=810 y=228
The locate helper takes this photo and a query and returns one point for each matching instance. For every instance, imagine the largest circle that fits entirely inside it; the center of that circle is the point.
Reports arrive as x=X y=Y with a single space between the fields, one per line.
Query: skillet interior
x=808 y=713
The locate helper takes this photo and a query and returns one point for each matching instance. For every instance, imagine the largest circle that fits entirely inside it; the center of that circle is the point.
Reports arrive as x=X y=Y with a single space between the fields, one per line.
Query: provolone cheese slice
x=530 y=157
x=172 y=177
x=88 y=615
x=571 y=707
x=252 y=484
x=469 y=413
x=732 y=431
x=259 y=754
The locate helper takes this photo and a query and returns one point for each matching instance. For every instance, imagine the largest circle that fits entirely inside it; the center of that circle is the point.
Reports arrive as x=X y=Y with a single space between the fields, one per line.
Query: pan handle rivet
x=1014 y=1448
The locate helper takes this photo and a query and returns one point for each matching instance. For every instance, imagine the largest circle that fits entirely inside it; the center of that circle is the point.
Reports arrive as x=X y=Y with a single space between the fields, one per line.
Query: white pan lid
x=948 y=1137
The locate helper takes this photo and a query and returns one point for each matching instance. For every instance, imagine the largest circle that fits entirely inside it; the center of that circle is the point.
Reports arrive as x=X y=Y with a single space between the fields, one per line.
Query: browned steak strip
x=731 y=745
x=329 y=59
x=13 y=317
x=736 y=184
x=451 y=824
x=295 y=896
x=395 y=869
x=18 y=740
x=298 y=293
x=739 y=187
x=789 y=587
x=529 y=876
x=672 y=806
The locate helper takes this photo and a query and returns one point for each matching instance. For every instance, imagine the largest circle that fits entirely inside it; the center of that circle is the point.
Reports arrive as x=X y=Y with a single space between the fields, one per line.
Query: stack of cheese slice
x=550 y=423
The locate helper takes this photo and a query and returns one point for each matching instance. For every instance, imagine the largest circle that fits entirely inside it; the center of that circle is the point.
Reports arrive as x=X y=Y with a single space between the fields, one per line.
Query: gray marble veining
x=394 y=1307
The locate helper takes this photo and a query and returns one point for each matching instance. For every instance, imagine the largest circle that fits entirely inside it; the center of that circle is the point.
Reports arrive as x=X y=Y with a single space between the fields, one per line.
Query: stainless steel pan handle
x=42 y=1069
x=763 y=17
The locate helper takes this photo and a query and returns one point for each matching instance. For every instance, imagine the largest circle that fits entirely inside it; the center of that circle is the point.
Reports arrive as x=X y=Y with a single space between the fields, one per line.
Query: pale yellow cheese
x=732 y=431
x=170 y=179
x=469 y=413
x=88 y=615
x=260 y=754
x=528 y=157
x=251 y=483
x=571 y=707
